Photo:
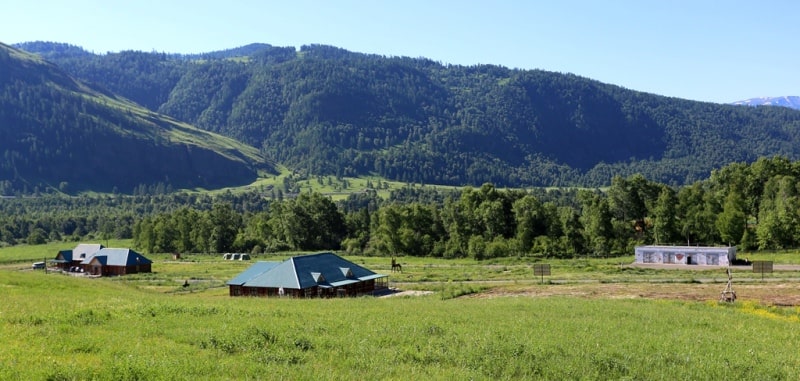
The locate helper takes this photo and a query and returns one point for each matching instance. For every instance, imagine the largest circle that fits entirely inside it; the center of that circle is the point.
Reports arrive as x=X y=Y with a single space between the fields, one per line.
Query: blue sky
x=716 y=51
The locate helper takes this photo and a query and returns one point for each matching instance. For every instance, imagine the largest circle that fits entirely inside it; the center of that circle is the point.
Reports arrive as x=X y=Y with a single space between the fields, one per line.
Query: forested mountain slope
x=58 y=132
x=330 y=111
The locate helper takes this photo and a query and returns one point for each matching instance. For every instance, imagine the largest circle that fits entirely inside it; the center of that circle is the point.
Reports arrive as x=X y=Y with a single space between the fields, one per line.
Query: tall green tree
x=779 y=214
x=309 y=222
x=388 y=237
x=530 y=221
x=698 y=210
x=596 y=220
x=225 y=225
x=573 y=239
x=733 y=220
x=629 y=198
x=665 y=214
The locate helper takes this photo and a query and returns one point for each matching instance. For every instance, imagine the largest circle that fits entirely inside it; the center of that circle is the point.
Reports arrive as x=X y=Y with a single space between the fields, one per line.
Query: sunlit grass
x=61 y=327
x=209 y=271
x=331 y=186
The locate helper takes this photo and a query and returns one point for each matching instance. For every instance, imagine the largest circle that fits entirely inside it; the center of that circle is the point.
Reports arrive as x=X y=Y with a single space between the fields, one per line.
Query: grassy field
x=148 y=326
x=423 y=273
x=60 y=327
x=335 y=188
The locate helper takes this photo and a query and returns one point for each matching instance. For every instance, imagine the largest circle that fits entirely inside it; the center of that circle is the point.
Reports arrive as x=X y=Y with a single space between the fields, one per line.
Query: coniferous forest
x=327 y=111
x=753 y=206
x=628 y=167
x=59 y=134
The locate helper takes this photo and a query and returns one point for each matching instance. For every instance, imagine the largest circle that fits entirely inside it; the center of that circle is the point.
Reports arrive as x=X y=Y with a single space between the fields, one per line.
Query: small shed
x=315 y=275
x=236 y=256
x=686 y=255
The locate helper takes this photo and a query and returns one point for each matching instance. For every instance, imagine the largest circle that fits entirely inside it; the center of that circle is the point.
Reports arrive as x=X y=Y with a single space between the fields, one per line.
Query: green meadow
x=150 y=327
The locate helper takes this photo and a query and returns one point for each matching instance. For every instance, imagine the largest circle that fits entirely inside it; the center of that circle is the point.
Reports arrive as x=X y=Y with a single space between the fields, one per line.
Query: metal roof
x=374 y=276
x=65 y=255
x=118 y=257
x=253 y=271
x=85 y=250
x=282 y=275
x=344 y=282
x=305 y=271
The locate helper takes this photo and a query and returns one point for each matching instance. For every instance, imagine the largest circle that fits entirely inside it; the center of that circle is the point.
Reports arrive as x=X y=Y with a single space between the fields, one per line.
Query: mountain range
x=787 y=101
x=57 y=132
x=322 y=110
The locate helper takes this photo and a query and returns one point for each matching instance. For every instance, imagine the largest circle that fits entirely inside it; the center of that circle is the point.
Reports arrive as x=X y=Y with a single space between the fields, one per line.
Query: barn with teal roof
x=316 y=275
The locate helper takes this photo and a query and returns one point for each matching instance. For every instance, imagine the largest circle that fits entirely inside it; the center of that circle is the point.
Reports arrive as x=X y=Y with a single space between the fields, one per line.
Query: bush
x=498 y=248
x=37 y=237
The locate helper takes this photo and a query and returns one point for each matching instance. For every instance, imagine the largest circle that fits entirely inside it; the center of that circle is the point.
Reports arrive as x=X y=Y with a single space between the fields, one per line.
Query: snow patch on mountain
x=787 y=101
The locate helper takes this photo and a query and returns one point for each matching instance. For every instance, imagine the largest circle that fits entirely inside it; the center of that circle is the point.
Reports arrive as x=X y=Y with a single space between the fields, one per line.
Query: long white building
x=686 y=255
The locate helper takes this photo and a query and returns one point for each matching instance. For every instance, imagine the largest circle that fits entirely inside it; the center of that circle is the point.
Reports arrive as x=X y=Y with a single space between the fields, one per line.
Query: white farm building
x=686 y=255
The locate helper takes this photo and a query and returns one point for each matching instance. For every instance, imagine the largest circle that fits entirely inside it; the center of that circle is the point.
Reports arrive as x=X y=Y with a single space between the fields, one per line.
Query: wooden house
x=686 y=255
x=307 y=276
x=116 y=262
x=71 y=259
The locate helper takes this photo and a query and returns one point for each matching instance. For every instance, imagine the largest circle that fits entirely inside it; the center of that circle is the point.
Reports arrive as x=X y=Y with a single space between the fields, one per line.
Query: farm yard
x=450 y=319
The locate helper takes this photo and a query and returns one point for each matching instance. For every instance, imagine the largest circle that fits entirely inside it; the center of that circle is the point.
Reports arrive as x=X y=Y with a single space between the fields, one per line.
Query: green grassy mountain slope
x=58 y=132
x=330 y=111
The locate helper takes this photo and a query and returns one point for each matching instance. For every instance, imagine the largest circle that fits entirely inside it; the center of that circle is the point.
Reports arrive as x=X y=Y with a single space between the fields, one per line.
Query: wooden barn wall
x=356 y=289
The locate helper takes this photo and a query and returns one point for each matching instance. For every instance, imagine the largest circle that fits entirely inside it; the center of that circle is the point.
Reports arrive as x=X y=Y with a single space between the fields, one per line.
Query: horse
x=396 y=266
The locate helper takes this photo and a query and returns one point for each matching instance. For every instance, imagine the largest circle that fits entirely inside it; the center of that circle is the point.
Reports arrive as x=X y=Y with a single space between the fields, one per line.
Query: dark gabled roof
x=64 y=255
x=118 y=257
x=305 y=271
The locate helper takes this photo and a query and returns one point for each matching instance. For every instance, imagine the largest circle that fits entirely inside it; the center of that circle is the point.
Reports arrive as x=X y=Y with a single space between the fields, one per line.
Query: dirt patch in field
x=779 y=294
x=393 y=292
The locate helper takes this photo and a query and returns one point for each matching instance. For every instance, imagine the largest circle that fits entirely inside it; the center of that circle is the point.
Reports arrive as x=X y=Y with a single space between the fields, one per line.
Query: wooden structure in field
x=686 y=255
x=71 y=259
x=323 y=275
x=728 y=295
x=95 y=259
x=109 y=261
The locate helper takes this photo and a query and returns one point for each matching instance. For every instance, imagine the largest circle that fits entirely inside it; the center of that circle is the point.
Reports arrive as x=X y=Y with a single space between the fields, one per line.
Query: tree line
x=753 y=206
